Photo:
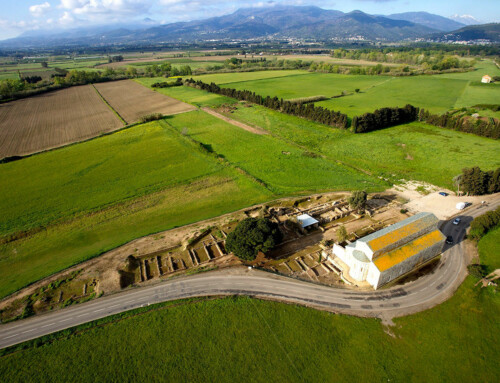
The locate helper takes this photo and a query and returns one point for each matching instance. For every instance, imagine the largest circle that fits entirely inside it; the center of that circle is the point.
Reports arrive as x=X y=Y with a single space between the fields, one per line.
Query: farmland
x=53 y=119
x=399 y=152
x=437 y=93
x=132 y=183
x=284 y=167
x=132 y=101
x=197 y=341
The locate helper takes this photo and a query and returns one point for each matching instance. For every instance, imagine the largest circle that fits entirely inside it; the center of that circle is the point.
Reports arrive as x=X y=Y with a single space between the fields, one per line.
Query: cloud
x=66 y=19
x=39 y=9
x=106 y=7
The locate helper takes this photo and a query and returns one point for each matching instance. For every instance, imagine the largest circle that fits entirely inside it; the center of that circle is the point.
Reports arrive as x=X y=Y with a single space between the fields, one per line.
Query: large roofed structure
x=394 y=251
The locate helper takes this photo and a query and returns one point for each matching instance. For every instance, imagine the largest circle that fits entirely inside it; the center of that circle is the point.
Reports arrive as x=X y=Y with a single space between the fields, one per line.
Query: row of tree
x=486 y=126
x=167 y=70
x=309 y=111
x=475 y=181
x=484 y=223
x=383 y=118
x=428 y=58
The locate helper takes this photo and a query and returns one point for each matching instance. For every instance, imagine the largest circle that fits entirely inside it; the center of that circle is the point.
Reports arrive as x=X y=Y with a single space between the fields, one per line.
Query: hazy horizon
x=53 y=15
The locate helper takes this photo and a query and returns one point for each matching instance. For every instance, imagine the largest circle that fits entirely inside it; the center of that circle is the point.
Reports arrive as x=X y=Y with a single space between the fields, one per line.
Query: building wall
x=407 y=265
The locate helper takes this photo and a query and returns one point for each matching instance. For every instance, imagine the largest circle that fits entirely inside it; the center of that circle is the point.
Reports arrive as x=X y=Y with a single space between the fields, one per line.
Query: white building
x=393 y=251
x=486 y=79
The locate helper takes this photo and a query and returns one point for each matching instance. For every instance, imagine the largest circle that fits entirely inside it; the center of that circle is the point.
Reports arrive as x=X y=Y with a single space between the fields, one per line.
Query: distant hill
x=358 y=24
x=429 y=20
x=302 y=22
x=489 y=32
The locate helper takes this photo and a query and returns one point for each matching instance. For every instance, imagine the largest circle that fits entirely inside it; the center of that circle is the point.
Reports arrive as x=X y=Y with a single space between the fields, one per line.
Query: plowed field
x=132 y=100
x=53 y=119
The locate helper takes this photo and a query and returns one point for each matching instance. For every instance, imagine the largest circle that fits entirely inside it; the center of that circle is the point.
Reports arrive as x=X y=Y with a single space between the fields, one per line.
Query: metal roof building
x=306 y=220
x=393 y=251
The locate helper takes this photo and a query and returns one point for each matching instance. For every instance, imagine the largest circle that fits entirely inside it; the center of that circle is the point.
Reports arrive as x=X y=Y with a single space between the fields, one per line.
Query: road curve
x=412 y=297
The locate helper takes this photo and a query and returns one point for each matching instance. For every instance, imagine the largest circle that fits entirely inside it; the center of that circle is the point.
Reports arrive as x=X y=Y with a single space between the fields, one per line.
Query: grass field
x=433 y=93
x=53 y=119
x=489 y=250
x=284 y=167
x=414 y=151
x=242 y=339
x=437 y=93
x=186 y=94
x=133 y=101
x=141 y=180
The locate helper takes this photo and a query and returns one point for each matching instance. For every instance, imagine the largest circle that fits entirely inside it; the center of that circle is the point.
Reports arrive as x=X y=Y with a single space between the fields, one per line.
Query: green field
x=152 y=177
x=437 y=93
x=284 y=167
x=489 y=250
x=242 y=339
x=135 y=182
x=414 y=151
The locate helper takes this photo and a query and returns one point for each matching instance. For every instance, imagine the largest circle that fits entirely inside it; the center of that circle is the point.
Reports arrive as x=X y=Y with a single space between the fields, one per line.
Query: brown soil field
x=132 y=100
x=53 y=119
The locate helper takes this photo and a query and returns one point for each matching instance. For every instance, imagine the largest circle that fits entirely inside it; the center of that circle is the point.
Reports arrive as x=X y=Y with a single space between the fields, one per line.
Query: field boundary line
x=109 y=106
x=239 y=124
x=222 y=160
x=261 y=79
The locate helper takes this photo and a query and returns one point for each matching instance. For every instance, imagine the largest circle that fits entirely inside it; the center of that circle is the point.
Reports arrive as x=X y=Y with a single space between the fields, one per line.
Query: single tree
x=251 y=236
x=358 y=200
x=341 y=234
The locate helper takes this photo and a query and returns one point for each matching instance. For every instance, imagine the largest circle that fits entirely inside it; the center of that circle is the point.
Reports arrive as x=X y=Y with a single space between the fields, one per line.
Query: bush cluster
x=485 y=127
x=151 y=117
x=475 y=181
x=484 y=223
x=166 y=84
x=384 y=118
x=251 y=236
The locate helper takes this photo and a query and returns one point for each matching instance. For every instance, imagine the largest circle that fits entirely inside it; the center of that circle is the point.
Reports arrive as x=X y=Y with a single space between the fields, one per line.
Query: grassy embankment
x=242 y=339
x=413 y=151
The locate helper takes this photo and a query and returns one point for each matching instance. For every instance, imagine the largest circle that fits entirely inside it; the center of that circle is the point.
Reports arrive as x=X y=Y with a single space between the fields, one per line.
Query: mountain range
x=300 y=22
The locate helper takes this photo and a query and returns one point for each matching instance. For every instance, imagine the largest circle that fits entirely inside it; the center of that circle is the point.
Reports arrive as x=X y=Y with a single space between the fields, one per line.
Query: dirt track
x=241 y=125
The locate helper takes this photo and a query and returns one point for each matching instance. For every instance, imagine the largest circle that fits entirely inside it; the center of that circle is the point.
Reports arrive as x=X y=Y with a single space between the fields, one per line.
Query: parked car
x=457 y=221
x=449 y=240
x=443 y=194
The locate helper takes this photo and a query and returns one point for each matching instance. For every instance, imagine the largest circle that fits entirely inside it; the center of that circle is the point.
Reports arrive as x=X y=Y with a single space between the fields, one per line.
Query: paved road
x=396 y=301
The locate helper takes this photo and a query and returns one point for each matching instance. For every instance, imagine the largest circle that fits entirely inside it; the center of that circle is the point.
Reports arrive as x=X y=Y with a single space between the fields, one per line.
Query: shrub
x=477 y=271
x=358 y=200
x=341 y=234
x=151 y=117
x=251 y=236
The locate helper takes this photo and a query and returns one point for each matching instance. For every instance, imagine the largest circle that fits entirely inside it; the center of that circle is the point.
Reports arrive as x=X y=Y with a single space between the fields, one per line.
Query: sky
x=18 y=16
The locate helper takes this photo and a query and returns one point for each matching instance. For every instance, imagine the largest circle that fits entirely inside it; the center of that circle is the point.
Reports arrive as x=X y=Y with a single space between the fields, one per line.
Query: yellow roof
x=395 y=236
x=392 y=258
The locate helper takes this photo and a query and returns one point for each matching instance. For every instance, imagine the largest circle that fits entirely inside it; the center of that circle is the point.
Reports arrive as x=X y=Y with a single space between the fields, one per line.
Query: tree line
x=486 y=126
x=480 y=226
x=475 y=181
x=384 y=118
x=308 y=111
